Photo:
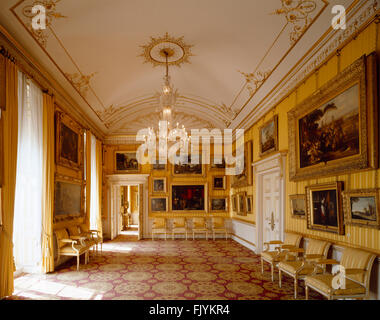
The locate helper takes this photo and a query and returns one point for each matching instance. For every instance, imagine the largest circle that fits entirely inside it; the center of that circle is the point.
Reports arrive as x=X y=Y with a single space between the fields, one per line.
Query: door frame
x=114 y=182
x=271 y=164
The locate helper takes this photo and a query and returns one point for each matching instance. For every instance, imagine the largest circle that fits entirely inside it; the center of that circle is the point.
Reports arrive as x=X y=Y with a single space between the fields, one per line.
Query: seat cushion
x=68 y=249
x=292 y=267
x=323 y=282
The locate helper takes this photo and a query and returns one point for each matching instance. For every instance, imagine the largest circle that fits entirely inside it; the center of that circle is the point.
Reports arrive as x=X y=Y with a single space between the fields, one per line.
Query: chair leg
x=193 y=236
x=206 y=235
x=77 y=262
x=279 y=278
x=272 y=271
x=306 y=292
x=295 y=287
x=262 y=266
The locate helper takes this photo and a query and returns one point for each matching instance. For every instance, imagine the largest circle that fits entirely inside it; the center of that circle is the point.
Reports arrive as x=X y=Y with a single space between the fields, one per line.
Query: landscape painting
x=361 y=207
x=268 y=136
x=188 y=168
x=158 y=204
x=126 y=162
x=188 y=198
x=331 y=132
x=68 y=199
x=298 y=205
x=325 y=207
x=218 y=204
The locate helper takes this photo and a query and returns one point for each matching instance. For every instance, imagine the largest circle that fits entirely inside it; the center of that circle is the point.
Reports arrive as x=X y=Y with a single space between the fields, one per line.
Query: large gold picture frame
x=161 y=205
x=246 y=177
x=68 y=198
x=216 y=204
x=361 y=208
x=69 y=142
x=325 y=207
x=126 y=162
x=348 y=141
x=193 y=184
x=268 y=142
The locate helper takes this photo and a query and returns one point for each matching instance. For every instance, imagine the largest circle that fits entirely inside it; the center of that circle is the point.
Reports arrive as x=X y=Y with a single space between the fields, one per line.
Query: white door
x=272 y=211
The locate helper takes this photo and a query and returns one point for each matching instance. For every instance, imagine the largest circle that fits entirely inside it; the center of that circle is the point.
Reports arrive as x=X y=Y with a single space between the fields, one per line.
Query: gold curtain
x=10 y=134
x=48 y=185
x=99 y=174
x=88 y=177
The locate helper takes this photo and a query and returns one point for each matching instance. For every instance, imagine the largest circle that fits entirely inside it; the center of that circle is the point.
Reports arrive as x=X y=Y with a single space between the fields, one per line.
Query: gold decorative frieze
x=51 y=14
x=297 y=13
x=179 y=51
x=255 y=80
x=80 y=81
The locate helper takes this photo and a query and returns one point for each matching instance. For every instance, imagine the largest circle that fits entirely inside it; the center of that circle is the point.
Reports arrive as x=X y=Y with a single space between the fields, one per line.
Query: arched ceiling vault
x=234 y=53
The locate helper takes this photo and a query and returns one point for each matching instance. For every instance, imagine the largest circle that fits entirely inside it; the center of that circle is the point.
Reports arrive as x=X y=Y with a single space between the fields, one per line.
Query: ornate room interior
x=89 y=87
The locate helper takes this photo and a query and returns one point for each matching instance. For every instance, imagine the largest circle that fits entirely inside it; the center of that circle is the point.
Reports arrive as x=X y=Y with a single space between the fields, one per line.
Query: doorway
x=126 y=205
x=270 y=195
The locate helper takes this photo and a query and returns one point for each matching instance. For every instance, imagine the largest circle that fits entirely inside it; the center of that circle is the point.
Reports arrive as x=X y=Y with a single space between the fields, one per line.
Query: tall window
x=28 y=199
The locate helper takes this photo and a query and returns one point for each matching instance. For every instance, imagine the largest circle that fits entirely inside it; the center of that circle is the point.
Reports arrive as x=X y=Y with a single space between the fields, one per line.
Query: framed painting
x=158 y=204
x=69 y=142
x=361 y=208
x=126 y=162
x=241 y=209
x=68 y=199
x=218 y=204
x=249 y=204
x=298 y=206
x=324 y=207
x=158 y=166
x=245 y=178
x=335 y=131
x=268 y=134
x=219 y=182
x=186 y=168
x=188 y=197
x=159 y=185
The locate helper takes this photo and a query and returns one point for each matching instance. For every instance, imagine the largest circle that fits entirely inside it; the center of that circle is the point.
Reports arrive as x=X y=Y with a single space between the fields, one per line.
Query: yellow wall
x=109 y=168
x=365 y=43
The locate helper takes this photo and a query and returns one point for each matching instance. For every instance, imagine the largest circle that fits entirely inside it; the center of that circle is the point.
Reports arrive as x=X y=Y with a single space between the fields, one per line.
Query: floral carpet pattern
x=161 y=270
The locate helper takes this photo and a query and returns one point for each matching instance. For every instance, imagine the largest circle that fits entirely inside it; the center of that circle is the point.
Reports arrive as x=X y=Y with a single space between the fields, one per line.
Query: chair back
x=74 y=230
x=84 y=227
x=199 y=223
x=292 y=239
x=159 y=223
x=218 y=222
x=61 y=234
x=318 y=247
x=358 y=259
x=179 y=223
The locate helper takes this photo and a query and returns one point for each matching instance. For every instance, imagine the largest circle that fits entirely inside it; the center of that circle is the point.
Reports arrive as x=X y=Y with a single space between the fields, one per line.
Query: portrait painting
x=218 y=204
x=244 y=178
x=126 y=162
x=158 y=204
x=298 y=206
x=185 y=167
x=248 y=205
x=333 y=131
x=219 y=182
x=188 y=198
x=362 y=208
x=241 y=204
x=69 y=142
x=159 y=185
x=325 y=207
x=269 y=136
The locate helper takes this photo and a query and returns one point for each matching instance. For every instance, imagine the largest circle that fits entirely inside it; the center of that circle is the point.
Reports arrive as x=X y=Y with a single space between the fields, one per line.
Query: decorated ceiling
x=227 y=56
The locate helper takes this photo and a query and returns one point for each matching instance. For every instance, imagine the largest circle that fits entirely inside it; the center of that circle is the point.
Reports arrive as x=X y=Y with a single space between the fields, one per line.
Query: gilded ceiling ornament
x=80 y=82
x=297 y=13
x=51 y=14
x=255 y=80
x=179 y=51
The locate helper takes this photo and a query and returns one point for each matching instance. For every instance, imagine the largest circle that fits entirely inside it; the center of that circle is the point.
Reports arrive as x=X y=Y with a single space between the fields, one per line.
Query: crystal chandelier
x=167 y=101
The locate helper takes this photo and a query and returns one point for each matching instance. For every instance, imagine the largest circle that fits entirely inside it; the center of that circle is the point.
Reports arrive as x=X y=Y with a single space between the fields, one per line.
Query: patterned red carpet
x=161 y=270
